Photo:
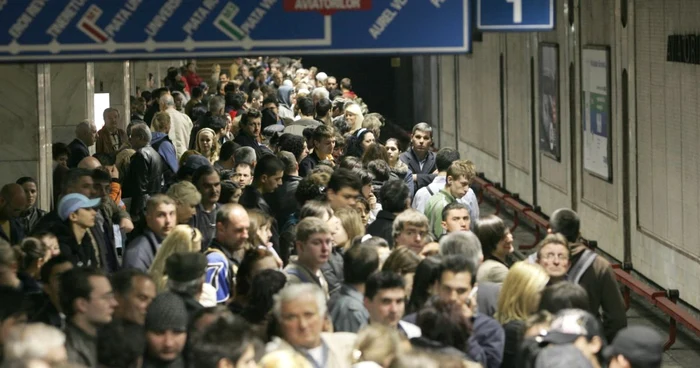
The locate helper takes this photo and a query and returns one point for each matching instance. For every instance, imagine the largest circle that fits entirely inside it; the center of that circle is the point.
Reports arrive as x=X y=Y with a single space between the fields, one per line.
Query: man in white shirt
x=180 y=125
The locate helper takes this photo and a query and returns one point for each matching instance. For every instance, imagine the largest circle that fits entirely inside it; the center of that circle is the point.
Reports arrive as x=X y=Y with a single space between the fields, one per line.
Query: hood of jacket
x=400 y=169
x=284 y=94
x=158 y=137
x=577 y=249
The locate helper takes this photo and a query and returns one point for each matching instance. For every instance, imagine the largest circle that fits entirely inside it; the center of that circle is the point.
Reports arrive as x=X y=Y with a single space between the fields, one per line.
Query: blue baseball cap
x=73 y=202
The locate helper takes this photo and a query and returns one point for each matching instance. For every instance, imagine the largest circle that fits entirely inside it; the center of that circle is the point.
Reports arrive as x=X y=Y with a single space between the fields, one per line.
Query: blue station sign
x=515 y=15
x=53 y=30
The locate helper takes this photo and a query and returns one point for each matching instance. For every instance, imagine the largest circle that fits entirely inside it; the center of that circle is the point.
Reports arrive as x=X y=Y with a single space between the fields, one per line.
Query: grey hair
x=217 y=103
x=423 y=127
x=184 y=97
x=464 y=243
x=293 y=292
x=83 y=127
x=187 y=287
x=167 y=100
x=320 y=93
x=141 y=131
x=33 y=341
x=244 y=155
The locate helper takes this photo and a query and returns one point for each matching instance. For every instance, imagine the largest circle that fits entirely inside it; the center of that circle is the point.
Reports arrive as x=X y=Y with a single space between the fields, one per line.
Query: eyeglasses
x=551 y=256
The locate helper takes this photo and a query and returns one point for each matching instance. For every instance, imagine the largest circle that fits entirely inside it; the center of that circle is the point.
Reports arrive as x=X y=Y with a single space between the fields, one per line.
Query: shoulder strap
x=296 y=272
x=429 y=190
x=581 y=266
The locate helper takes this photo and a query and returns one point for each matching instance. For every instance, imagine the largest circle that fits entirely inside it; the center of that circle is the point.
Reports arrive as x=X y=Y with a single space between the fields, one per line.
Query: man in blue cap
x=78 y=215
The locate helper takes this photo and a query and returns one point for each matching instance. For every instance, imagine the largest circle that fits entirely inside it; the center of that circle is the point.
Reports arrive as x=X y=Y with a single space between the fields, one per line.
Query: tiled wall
x=663 y=131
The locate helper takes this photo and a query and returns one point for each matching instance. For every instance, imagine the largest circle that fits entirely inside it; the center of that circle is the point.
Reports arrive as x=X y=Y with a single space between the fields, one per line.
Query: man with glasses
x=88 y=302
x=553 y=256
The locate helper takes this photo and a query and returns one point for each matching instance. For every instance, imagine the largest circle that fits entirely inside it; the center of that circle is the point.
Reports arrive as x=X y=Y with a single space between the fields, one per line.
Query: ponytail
x=28 y=252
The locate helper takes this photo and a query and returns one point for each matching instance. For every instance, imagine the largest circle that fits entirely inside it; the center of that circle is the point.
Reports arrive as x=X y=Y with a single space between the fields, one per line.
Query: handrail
x=665 y=300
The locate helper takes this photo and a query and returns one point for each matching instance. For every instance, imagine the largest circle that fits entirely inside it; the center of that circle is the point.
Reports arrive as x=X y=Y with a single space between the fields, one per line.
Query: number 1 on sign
x=517 y=10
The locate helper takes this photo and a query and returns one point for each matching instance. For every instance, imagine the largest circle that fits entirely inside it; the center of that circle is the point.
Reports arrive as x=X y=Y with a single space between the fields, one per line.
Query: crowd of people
x=269 y=224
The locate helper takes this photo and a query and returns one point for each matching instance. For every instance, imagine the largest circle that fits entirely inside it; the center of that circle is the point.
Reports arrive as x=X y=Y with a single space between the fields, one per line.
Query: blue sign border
x=515 y=28
x=179 y=47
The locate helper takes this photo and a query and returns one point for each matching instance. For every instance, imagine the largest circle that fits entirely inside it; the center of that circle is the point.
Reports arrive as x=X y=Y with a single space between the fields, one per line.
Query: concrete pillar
x=140 y=72
x=114 y=77
x=25 y=122
x=72 y=88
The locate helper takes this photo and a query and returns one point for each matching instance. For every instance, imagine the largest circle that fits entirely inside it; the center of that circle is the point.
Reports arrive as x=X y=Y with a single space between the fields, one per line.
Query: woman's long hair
x=182 y=239
x=520 y=293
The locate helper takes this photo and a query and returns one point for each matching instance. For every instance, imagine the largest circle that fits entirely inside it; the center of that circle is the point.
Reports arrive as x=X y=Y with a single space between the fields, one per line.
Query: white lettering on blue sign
x=26 y=18
x=122 y=17
x=385 y=19
x=199 y=16
x=165 y=12
x=64 y=19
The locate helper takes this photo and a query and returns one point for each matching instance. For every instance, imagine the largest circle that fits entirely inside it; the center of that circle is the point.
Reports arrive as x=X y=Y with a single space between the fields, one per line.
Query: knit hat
x=194 y=162
x=167 y=312
x=73 y=202
x=562 y=356
x=640 y=345
x=184 y=267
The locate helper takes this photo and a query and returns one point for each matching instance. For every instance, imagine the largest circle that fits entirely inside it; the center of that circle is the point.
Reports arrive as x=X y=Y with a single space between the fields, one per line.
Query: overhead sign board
x=43 y=30
x=515 y=15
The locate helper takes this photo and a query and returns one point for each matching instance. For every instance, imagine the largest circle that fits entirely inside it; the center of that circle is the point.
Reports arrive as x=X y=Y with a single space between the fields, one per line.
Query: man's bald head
x=89 y=163
x=13 y=200
x=232 y=224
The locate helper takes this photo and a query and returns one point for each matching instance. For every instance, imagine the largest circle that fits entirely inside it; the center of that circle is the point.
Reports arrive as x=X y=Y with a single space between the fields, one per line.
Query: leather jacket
x=144 y=180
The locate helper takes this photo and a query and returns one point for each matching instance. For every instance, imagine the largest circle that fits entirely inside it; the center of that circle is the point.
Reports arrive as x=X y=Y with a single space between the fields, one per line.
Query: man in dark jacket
x=77 y=212
x=145 y=171
x=251 y=126
x=160 y=220
x=598 y=278
x=306 y=111
x=394 y=196
x=323 y=139
x=167 y=315
x=134 y=291
x=419 y=158
x=208 y=183
x=47 y=308
x=86 y=135
x=266 y=179
x=88 y=303
x=487 y=341
x=13 y=201
x=285 y=199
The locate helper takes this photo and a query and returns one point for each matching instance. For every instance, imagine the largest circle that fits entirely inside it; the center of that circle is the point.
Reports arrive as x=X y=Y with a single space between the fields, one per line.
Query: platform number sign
x=517 y=10
x=515 y=15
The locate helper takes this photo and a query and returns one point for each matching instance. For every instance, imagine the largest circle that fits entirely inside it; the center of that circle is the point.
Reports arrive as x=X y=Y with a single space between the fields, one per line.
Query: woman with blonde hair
x=208 y=144
x=260 y=232
x=350 y=227
x=182 y=239
x=379 y=344
x=187 y=198
x=354 y=117
x=519 y=298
